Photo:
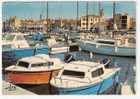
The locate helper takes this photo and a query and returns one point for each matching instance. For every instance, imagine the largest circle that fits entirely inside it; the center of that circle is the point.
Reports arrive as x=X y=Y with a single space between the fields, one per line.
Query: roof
x=33 y=59
x=82 y=65
x=39 y=59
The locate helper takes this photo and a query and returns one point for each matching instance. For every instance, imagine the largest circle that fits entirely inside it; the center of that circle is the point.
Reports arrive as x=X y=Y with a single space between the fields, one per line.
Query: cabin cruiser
x=121 y=46
x=83 y=77
x=57 y=47
x=12 y=41
x=38 y=69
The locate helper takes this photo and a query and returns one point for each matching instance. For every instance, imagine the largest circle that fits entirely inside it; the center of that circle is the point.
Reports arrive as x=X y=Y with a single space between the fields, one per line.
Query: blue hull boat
x=25 y=52
x=91 y=90
x=108 y=50
x=85 y=78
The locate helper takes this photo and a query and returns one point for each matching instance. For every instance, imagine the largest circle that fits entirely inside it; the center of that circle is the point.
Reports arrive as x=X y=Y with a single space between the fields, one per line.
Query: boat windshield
x=106 y=42
x=23 y=64
x=8 y=37
x=42 y=64
x=97 y=72
x=77 y=74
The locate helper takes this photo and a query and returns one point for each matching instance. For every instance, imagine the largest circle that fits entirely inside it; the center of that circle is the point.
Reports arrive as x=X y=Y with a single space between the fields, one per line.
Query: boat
x=34 y=70
x=121 y=46
x=57 y=47
x=13 y=41
x=114 y=45
x=84 y=77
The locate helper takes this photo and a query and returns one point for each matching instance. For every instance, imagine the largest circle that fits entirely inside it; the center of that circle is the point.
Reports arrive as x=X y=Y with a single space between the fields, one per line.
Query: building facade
x=91 y=21
x=123 y=21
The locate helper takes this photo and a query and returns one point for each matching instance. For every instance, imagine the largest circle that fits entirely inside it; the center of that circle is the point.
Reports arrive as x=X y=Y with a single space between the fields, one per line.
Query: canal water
x=126 y=65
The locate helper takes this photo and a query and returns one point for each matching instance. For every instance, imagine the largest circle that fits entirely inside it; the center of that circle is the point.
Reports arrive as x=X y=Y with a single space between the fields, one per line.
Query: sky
x=63 y=9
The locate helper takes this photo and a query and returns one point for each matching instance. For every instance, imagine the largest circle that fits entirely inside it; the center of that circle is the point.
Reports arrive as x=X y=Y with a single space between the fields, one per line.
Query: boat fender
x=116 y=48
x=97 y=46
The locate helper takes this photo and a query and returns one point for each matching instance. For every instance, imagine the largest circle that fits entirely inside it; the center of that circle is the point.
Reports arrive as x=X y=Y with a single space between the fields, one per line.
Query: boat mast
x=77 y=16
x=47 y=18
x=99 y=16
x=87 y=15
x=114 y=5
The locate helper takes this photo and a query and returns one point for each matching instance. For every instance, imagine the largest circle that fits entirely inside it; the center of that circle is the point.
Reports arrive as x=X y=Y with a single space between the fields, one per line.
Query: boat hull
x=108 y=50
x=20 y=53
x=33 y=78
x=92 y=89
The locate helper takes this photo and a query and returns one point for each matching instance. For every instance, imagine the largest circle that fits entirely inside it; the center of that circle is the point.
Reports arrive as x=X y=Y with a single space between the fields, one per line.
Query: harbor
x=88 y=55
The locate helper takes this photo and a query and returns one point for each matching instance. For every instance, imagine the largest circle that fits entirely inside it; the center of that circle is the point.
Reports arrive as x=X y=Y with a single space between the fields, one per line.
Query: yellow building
x=89 y=22
x=123 y=21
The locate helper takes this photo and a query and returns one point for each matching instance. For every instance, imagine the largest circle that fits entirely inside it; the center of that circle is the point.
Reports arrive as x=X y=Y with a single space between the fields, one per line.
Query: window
x=97 y=72
x=84 y=19
x=38 y=64
x=83 y=23
x=19 y=38
x=106 y=42
x=73 y=73
x=50 y=63
x=23 y=64
x=8 y=37
x=43 y=64
x=7 y=46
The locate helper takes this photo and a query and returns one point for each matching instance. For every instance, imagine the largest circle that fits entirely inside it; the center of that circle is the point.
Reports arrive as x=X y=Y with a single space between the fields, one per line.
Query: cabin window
x=106 y=42
x=50 y=63
x=97 y=72
x=76 y=74
x=6 y=46
x=38 y=64
x=19 y=38
x=42 y=64
x=23 y=64
x=8 y=37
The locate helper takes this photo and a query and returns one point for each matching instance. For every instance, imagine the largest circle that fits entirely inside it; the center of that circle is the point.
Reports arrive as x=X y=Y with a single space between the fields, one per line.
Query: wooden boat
x=82 y=77
x=38 y=69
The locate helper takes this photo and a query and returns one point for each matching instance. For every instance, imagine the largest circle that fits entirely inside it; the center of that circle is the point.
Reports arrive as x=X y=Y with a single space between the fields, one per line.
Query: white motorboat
x=82 y=77
x=14 y=41
x=57 y=47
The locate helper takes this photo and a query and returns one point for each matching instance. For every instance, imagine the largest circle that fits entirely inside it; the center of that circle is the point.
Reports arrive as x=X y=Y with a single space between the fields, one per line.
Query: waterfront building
x=123 y=21
x=89 y=22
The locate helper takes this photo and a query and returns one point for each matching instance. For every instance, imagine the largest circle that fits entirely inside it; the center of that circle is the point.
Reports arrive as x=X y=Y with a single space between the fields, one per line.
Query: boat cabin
x=38 y=61
x=82 y=71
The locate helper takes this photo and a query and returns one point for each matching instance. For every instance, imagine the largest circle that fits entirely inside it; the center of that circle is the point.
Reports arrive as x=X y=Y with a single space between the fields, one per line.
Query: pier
x=11 y=89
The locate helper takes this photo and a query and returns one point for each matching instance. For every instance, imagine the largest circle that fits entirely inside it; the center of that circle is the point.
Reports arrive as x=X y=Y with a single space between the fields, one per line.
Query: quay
x=126 y=90
x=11 y=89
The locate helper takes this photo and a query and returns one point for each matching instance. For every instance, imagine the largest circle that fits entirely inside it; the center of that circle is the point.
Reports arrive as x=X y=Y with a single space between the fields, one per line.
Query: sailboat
x=118 y=46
